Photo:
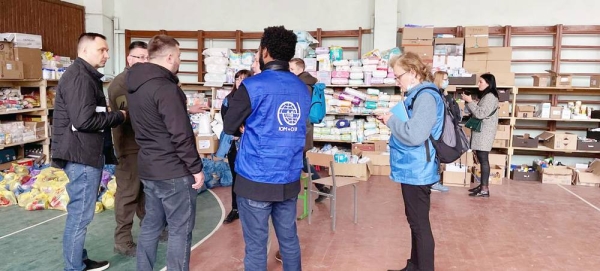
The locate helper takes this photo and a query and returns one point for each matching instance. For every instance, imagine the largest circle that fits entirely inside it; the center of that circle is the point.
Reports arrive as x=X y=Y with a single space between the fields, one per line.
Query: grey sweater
x=483 y=141
x=417 y=129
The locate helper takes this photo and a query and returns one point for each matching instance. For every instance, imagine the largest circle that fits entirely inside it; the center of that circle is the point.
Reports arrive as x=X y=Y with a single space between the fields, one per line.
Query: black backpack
x=453 y=141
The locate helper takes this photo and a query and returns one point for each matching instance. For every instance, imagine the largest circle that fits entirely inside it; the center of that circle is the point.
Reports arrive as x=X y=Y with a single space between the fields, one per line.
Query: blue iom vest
x=409 y=163
x=275 y=132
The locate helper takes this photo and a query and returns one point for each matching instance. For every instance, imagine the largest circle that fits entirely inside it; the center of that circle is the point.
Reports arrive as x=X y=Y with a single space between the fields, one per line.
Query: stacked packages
x=222 y=64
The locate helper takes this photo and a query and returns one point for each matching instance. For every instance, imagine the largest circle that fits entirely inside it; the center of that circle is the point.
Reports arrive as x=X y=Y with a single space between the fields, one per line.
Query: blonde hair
x=438 y=78
x=412 y=62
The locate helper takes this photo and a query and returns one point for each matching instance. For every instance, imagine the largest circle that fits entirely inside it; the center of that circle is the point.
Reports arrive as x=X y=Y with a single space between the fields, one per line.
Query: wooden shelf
x=16 y=112
x=560 y=120
x=22 y=143
x=341 y=141
x=361 y=86
x=546 y=149
x=347 y=114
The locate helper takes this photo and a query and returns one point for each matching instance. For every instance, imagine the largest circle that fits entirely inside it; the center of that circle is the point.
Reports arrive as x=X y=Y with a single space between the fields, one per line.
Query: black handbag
x=475 y=124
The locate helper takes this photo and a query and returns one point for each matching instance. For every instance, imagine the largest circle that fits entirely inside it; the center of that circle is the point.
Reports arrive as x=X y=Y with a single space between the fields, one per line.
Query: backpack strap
x=410 y=107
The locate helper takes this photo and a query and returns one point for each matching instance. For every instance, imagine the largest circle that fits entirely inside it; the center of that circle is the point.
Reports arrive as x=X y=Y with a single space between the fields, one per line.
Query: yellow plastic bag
x=112 y=185
x=108 y=200
x=99 y=207
x=7 y=198
x=59 y=200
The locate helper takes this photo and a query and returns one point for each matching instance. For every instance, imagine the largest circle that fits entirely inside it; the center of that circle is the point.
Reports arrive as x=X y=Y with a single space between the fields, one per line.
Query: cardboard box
x=497 y=173
x=465 y=81
x=503 y=132
x=475 y=66
x=560 y=79
x=504 y=109
x=358 y=148
x=498 y=66
x=454 y=62
x=471 y=56
x=559 y=141
x=417 y=33
x=382 y=170
x=6 y=51
x=498 y=159
x=500 y=53
x=449 y=46
x=23 y=40
x=378 y=158
x=465 y=159
x=555 y=112
x=361 y=172
x=425 y=52
x=207 y=144
x=500 y=143
x=589 y=175
x=456 y=175
x=525 y=176
x=505 y=78
x=525 y=111
x=557 y=175
x=541 y=80
x=503 y=95
x=381 y=145
x=525 y=141
x=595 y=81
x=478 y=42
x=476 y=31
x=588 y=145
x=11 y=70
x=32 y=62
x=428 y=42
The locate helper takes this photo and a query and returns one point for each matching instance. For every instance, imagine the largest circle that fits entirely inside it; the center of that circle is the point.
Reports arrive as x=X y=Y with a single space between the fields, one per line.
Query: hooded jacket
x=157 y=109
x=310 y=81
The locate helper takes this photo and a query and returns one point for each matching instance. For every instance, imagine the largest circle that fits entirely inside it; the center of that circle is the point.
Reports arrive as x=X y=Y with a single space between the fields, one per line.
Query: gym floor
x=522 y=226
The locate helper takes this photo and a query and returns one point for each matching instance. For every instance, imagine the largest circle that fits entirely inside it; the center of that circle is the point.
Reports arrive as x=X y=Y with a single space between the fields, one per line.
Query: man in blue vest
x=273 y=107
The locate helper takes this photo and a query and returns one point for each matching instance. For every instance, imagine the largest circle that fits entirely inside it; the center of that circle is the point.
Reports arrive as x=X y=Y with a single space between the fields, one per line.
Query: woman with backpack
x=440 y=79
x=412 y=154
x=484 y=111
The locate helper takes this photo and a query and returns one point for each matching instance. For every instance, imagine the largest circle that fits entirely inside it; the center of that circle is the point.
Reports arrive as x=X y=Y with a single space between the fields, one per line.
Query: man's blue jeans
x=170 y=202
x=84 y=182
x=254 y=216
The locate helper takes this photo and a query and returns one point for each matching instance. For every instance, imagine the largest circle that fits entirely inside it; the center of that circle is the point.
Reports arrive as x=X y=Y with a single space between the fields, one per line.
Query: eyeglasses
x=139 y=57
x=400 y=76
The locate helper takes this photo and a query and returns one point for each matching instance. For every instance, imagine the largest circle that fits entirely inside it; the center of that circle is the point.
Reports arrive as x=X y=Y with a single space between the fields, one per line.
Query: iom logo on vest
x=288 y=116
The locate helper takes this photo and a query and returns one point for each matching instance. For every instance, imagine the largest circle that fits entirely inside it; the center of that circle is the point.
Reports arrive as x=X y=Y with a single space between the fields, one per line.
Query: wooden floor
x=522 y=226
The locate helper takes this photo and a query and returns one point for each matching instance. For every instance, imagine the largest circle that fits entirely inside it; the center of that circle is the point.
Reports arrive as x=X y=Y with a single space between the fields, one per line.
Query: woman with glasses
x=412 y=155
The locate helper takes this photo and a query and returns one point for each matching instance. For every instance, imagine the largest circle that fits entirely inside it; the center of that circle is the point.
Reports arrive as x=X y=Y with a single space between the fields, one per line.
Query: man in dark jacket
x=129 y=199
x=273 y=106
x=297 y=67
x=168 y=161
x=81 y=143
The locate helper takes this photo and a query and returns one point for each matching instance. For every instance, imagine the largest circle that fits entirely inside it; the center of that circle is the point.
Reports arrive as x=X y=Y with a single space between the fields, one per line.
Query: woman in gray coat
x=481 y=142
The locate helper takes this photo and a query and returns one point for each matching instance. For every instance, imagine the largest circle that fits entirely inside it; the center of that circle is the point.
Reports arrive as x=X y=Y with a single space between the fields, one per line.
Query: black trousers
x=231 y=160
x=416 y=206
x=484 y=162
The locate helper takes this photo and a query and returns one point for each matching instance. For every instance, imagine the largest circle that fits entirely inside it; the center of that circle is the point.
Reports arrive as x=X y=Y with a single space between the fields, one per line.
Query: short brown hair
x=412 y=62
x=299 y=62
x=159 y=43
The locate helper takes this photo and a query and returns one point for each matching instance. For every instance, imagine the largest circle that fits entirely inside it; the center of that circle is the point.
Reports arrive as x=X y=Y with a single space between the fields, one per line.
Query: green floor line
x=40 y=248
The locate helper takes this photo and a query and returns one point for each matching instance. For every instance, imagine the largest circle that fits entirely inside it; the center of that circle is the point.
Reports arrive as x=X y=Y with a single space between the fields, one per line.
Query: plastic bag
x=108 y=200
x=7 y=198
x=59 y=200
x=99 y=207
x=40 y=202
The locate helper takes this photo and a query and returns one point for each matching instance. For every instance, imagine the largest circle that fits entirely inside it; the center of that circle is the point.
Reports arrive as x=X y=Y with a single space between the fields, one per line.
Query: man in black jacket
x=81 y=143
x=168 y=161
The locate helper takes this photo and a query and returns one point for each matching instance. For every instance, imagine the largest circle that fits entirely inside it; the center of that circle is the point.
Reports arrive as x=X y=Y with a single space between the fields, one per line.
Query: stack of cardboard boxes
x=553 y=79
x=20 y=59
x=418 y=40
x=461 y=171
x=448 y=54
x=480 y=58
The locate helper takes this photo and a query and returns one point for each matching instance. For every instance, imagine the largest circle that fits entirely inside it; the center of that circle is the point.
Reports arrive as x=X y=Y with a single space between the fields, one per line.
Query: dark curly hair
x=279 y=42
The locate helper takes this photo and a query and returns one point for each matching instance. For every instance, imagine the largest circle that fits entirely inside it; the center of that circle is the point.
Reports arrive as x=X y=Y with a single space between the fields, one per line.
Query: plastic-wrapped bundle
x=346 y=97
x=335 y=53
x=373 y=91
x=356 y=75
x=216 y=60
x=356 y=82
x=343 y=62
x=216 y=52
x=356 y=93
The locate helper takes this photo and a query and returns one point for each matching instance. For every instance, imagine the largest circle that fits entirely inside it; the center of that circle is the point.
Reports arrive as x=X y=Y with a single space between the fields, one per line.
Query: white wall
x=494 y=12
x=243 y=15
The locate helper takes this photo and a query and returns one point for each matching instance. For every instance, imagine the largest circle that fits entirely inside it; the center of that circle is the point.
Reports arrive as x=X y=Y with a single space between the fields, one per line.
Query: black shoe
x=480 y=194
x=164 y=236
x=128 y=249
x=409 y=267
x=322 y=197
x=95 y=266
x=475 y=189
x=232 y=216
